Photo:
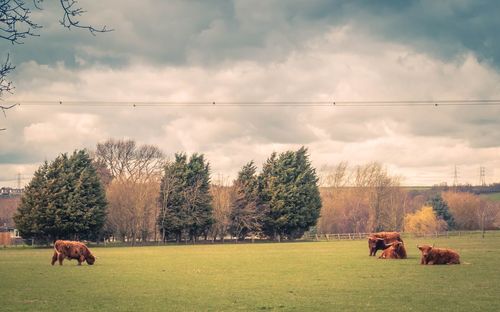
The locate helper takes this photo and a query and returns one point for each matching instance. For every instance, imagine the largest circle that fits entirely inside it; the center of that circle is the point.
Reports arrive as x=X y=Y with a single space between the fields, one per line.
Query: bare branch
x=15 y=21
x=5 y=69
x=72 y=12
x=4 y=108
x=16 y=24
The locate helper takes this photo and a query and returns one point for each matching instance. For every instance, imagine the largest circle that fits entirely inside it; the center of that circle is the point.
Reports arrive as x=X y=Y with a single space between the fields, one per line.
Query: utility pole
x=482 y=176
x=455 y=177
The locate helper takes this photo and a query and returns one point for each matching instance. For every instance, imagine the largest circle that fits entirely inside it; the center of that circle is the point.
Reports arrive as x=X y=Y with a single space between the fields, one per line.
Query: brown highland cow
x=382 y=241
x=432 y=255
x=396 y=250
x=72 y=250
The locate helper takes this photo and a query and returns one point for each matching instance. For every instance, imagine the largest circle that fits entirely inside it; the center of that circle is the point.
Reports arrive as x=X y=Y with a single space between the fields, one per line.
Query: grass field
x=309 y=276
x=492 y=196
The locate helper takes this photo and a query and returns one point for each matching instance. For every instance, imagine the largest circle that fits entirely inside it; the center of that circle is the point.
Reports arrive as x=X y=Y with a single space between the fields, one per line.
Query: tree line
x=367 y=198
x=127 y=192
x=132 y=193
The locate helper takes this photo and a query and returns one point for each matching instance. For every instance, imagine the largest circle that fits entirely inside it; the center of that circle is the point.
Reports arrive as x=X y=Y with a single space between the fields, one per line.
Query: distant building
x=10 y=192
x=9 y=236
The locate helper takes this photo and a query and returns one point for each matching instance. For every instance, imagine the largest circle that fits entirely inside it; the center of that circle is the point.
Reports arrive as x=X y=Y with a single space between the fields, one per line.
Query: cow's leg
x=80 y=260
x=61 y=258
x=54 y=258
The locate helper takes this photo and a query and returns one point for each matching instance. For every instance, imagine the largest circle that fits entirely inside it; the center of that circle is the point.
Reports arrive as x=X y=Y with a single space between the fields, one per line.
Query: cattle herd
x=390 y=243
x=393 y=247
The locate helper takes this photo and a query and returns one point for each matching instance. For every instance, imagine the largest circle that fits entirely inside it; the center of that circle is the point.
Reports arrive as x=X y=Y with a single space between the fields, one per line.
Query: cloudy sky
x=263 y=51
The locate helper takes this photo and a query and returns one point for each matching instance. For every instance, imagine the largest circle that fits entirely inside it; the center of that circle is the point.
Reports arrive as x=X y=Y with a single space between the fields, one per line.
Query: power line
x=333 y=103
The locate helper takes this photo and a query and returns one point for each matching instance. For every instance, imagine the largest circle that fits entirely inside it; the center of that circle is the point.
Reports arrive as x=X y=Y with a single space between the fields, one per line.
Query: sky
x=263 y=51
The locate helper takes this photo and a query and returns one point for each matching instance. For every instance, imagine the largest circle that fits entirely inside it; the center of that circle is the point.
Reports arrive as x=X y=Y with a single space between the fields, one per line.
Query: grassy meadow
x=302 y=276
x=492 y=196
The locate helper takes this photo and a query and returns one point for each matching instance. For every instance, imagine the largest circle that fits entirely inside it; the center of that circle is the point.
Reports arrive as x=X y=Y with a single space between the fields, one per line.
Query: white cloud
x=339 y=65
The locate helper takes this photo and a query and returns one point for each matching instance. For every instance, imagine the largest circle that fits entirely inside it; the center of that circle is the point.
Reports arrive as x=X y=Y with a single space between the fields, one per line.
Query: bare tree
x=135 y=182
x=472 y=212
x=362 y=199
x=222 y=194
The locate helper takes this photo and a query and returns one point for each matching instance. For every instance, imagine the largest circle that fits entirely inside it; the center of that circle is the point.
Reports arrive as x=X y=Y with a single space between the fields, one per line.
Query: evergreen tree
x=246 y=208
x=185 y=198
x=33 y=203
x=442 y=210
x=65 y=199
x=171 y=218
x=289 y=187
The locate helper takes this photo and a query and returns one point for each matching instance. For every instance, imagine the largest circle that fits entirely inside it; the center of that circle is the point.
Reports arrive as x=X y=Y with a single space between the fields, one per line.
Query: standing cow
x=72 y=250
x=432 y=255
x=396 y=250
x=381 y=241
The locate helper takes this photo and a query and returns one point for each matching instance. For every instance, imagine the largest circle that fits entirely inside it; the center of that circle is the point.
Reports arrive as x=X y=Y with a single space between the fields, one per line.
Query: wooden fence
x=362 y=236
x=5 y=239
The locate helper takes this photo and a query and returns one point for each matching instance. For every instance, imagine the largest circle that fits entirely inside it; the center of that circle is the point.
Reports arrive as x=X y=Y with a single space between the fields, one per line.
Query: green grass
x=492 y=196
x=315 y=276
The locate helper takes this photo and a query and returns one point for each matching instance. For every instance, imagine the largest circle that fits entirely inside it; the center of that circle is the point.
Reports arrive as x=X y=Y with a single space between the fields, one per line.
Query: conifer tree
x=442 y=210
x=289 y=187
x=246 y=206
x=185 y=198
x=64 y=199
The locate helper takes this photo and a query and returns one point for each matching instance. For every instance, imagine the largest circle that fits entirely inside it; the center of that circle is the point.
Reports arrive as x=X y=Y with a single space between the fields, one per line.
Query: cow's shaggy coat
x=381 y=241
x=432 y=255
x=396 y=250
x=72 y=250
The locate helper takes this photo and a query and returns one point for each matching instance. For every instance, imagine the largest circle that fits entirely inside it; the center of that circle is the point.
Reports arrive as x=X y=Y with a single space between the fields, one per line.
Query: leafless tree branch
x=71 y=12
x=6 y=85
x=15 y=21
x=16 y=24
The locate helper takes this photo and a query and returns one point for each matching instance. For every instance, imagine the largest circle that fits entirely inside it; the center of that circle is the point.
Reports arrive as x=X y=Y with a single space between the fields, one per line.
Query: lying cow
x=72 y=250
x=432 y=255
x=381 y=241
x=396 y=250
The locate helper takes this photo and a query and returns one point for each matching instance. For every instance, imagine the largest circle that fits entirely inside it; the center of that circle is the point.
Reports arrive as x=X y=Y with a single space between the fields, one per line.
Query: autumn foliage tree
x=424 y=221
x=133 y=174
x=362 y=199
x=470 y=211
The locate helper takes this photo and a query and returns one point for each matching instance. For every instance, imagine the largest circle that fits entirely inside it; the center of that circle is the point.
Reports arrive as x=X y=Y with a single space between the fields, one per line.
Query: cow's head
x=425 y=249
x=90 y=259
x=373 y=241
